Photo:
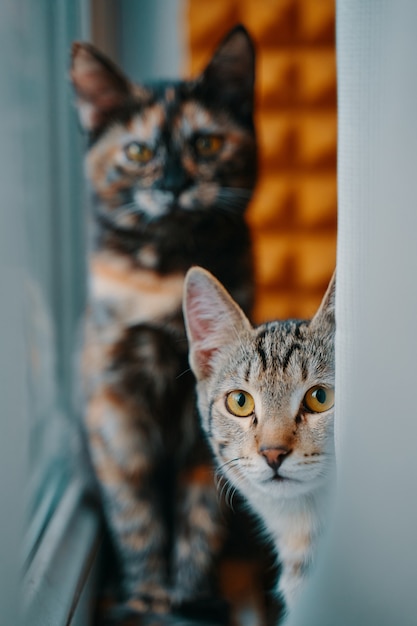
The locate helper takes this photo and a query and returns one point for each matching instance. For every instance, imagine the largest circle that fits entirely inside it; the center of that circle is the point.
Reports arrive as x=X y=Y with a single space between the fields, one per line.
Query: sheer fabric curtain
x=367 y=573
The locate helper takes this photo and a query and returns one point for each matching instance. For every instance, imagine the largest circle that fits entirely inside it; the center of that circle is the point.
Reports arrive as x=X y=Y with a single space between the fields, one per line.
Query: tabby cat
x=172 y=168
x=266 y=399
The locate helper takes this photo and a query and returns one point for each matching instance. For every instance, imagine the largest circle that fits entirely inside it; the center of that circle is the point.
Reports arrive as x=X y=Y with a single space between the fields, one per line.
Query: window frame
x=42 y=252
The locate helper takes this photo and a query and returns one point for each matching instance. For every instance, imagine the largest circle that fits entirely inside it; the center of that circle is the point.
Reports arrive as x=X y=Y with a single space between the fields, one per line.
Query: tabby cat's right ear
x=212 y=319
x=100 y=86
x=326 y=314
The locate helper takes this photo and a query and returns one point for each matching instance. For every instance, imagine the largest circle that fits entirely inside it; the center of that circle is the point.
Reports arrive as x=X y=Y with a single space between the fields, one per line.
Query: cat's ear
x=230 y=75
x=99 y=84
x=212 y=319
x=326 y=313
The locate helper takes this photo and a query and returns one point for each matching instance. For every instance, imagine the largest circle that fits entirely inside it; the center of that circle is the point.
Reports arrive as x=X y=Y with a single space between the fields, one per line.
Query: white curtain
x=367 y=570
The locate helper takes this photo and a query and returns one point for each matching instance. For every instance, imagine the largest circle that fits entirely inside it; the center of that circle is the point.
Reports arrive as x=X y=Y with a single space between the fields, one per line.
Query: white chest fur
x=130 y=294
x=295 y=525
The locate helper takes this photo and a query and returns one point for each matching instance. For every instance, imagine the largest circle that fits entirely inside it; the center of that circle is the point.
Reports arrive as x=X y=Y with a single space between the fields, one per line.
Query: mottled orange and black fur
x=172 y=168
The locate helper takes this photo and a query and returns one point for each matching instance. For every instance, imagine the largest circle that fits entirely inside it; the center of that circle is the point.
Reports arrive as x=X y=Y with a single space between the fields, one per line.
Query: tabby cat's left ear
x=230 y=75
x=327 y=310
x=100 y=86
x=212 y=319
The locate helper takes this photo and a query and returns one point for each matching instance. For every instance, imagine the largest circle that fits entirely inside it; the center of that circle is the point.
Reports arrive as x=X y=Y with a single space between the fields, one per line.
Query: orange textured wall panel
x=293 y=215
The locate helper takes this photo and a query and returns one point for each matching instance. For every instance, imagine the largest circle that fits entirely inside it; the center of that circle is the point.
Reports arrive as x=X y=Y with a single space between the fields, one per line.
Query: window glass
x=47 y=168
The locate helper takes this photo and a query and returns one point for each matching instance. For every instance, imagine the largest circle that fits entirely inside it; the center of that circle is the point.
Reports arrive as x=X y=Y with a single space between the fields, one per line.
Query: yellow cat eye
x=208 y=145
x=319 y=399
x=139 y=152
x=240 y=403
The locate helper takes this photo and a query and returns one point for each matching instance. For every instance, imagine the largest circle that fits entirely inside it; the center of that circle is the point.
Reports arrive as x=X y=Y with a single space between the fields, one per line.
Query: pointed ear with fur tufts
x=230 y=75
x=326 y=313
x=212 y=319
x=100 y=86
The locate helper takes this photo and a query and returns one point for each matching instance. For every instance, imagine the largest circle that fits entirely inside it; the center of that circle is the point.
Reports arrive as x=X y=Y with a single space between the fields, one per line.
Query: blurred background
x=42 y=234
x=293 y=215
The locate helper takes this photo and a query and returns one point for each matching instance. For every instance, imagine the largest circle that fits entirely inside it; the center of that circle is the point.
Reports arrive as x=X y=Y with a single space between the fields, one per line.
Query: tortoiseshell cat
x=266 y=398
x=172 y=167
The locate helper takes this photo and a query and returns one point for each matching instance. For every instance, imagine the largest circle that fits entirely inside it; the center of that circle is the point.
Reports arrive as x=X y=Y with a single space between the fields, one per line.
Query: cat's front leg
x=141 y=542
x=121 y=452
x=295 y=555
x=200 y=534
x=291 y=582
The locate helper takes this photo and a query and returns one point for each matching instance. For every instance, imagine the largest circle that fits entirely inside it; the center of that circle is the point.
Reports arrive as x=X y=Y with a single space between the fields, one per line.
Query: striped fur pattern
x=280 y=453
x=172 y=168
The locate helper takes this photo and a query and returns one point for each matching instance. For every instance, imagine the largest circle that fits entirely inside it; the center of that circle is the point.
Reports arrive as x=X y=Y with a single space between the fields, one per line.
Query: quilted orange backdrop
x=293 y=214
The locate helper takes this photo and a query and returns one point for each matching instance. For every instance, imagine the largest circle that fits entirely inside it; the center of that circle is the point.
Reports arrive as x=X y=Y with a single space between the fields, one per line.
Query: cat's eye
x=139 y=152
x=208 y=145
x=319 y=399
x=240 y=403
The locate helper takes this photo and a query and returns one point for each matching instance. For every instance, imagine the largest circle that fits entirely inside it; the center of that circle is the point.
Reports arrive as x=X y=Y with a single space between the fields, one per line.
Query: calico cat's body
x=265 y=396
x=172 y=168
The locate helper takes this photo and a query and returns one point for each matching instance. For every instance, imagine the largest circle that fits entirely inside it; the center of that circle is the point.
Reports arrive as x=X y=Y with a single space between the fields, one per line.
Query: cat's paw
x=187 y=590
x=151 y=598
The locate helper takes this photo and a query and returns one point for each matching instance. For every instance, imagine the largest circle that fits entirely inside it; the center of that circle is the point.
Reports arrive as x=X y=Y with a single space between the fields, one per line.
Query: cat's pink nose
x=275 y=456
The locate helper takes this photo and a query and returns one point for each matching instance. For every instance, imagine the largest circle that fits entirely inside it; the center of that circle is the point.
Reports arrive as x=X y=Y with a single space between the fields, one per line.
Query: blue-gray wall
x=151 y=38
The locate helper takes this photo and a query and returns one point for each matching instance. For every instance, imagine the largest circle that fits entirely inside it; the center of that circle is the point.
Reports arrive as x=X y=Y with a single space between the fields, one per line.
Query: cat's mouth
x=278 y=478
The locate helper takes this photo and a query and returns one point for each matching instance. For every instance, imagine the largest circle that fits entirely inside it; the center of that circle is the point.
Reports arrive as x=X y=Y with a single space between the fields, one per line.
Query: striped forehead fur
x=280 y=344
x=284 y=350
